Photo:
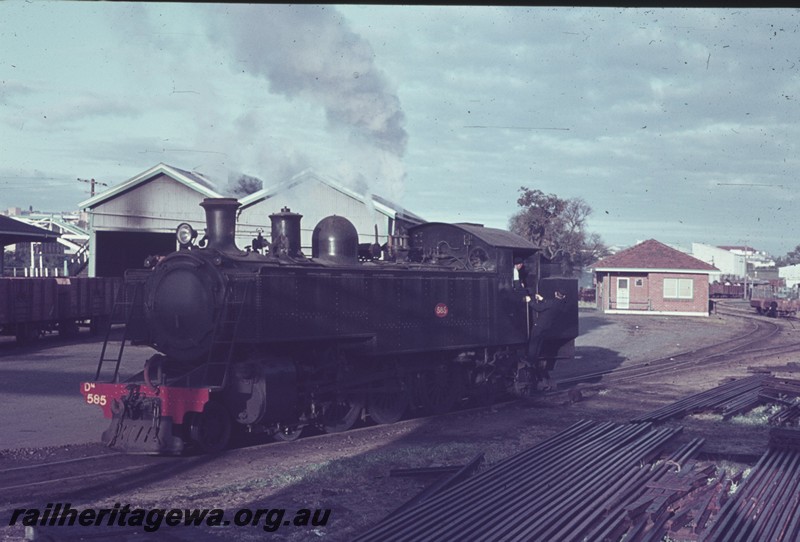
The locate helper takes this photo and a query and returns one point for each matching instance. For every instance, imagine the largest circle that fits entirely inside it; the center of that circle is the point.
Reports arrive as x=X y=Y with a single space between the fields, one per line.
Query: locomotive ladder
x=129 y=294
x=220 y=355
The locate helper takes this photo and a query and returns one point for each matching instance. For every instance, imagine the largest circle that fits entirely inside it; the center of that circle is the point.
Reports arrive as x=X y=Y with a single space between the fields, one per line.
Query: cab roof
x=491 y=236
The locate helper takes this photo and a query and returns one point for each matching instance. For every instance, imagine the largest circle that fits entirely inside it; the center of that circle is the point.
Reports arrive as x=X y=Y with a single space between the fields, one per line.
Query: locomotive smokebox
x=221 y=223
x=286 y=233
x=335 y=240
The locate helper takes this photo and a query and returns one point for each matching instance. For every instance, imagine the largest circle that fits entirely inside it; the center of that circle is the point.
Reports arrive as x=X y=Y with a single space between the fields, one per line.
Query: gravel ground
x=349 y=473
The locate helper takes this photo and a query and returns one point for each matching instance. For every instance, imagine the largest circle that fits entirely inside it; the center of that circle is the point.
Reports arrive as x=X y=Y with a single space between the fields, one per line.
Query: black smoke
x=309 y=52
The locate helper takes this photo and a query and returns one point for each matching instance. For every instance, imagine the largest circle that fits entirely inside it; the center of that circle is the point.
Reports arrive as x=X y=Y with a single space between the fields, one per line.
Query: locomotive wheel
x=99 y=325
x=68 y=329
x=437 y=391
x=345 y=406
x=484 y=391
x=211 y=429
x=287 y=434
x=388 y=401
x=772 y=311
x=342 y=414
x=28 y=333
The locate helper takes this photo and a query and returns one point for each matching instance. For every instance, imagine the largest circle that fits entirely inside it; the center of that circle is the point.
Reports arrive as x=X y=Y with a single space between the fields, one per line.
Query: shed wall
x=648 y=295
x=315 y=201
x=639 y=291
x=156 y=205
x=699 y=303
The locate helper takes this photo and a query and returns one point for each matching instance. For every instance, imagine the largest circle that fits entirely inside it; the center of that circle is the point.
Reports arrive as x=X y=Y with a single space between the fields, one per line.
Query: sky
x=679 y=124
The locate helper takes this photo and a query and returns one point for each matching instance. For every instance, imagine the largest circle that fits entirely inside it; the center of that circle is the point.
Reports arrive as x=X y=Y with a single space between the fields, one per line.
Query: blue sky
x=674 y=124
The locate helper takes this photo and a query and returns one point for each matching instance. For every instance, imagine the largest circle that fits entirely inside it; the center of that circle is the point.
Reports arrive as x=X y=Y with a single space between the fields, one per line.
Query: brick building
x=652 y=278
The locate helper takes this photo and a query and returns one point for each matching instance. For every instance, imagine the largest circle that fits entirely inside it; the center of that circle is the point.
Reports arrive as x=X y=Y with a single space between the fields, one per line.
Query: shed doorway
x=117 y=251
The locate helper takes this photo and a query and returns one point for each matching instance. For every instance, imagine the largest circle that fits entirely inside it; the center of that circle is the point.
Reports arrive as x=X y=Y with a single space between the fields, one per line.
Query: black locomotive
x=270 y=340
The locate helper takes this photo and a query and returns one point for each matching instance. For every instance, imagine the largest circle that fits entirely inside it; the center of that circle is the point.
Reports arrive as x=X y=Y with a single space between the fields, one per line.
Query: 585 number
x=95 y=399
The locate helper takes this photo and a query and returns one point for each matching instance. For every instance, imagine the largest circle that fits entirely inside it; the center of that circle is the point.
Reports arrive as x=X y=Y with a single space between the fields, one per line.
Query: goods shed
x=137 y=218
x=652 y=278
x=316 y=197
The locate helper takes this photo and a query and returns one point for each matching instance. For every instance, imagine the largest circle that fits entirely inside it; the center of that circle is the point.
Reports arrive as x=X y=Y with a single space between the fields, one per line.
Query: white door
x=623 y=293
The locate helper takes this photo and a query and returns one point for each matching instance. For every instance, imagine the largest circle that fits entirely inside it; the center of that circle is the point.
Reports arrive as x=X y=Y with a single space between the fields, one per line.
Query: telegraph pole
x=92 y=184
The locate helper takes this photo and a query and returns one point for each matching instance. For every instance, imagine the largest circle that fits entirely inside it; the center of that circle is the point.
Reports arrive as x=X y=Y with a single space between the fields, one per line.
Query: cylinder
x=221 y=223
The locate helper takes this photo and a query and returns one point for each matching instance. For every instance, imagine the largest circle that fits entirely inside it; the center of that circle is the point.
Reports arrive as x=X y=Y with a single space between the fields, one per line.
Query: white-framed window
x=678 y=289
x=639 y=282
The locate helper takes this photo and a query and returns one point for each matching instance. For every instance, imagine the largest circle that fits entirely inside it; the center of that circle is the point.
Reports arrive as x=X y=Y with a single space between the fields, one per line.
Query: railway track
x=88 y=477
x=756 y=341
x=91 y=477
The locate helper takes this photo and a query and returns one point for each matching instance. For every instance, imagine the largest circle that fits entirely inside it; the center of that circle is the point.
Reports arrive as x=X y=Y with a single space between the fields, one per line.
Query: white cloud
x=660 y=117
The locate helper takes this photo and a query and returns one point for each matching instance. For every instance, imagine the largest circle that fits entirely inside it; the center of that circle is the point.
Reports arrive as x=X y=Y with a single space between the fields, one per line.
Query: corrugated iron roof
x=650 y=255
x=193 y=180
x=401 y=212
x=381 y=204
x=491 y=236
x=15 y=231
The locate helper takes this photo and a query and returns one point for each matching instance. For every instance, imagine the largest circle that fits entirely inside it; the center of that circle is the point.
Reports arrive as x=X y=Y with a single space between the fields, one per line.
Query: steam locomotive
x=269 y=340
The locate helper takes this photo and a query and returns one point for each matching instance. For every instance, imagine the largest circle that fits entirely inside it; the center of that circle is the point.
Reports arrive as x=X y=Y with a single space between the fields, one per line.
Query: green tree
x=558 y=227
x=791 y=258
x=11 y=260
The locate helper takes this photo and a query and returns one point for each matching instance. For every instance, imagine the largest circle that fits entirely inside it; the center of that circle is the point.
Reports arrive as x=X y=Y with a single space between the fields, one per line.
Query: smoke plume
x=309 y=53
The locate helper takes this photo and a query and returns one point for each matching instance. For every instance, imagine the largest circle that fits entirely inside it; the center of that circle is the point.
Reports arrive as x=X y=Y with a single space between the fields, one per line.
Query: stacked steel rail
x=785 y=393
x=736 y=397
x=565 y=488
x=610 y=482
x=767 y=505
x=715 y=398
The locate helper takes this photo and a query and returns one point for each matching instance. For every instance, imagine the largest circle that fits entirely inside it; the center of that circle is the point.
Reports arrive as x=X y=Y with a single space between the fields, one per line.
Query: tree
x=11 y=260
x=791 y=258
x=245 y=184
x=558 y=227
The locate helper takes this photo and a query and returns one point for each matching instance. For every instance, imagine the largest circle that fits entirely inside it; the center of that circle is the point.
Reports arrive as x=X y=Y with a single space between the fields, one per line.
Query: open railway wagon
x=269 y=340
x=30 y=306
x=727 y=291
x=775 y=302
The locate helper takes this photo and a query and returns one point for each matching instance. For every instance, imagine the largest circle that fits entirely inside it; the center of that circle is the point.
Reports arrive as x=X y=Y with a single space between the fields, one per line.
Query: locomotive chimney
x=286 y=233
x=221 y=223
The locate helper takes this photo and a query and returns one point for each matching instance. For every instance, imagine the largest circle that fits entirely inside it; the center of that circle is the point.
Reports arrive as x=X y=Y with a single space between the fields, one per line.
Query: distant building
x=652 y=278
x=730 y=264
x=68 y=255
x=19 y=233
x=315 y=197
x=755 y=258
x=767 y=274
x=138 y=217
x=790 y=275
